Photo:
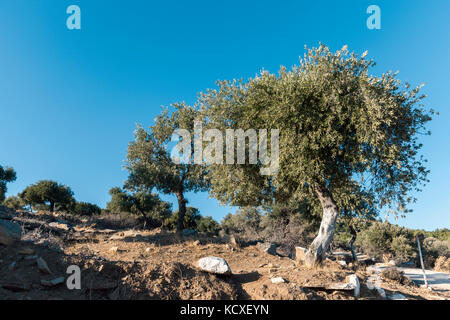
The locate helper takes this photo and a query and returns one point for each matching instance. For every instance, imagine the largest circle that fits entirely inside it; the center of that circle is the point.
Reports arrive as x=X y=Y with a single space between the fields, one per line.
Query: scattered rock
x=397 y=296
x=116 y=236
x=15 y=287
x=61 y=226
x=269 y=248
x=148 y=249
x=9 y=232
x=392 y=263
x=300 y=253
x=353 y=280
x=342 y=263
x=197 y=243
x=277 y=280
x=53 y=282
x=26 y=251
x=114 y=249
x=214 y=265
x=42 y=266
x=12 y=266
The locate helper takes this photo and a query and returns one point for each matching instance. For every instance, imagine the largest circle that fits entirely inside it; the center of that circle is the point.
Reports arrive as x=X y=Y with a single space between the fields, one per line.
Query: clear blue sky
x=69 y=100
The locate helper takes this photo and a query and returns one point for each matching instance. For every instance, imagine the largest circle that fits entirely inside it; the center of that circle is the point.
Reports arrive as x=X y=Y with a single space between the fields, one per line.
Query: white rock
x=277 y=280
x=353 y=280
x=214 y=265
x=53 y=282
x=58 y=225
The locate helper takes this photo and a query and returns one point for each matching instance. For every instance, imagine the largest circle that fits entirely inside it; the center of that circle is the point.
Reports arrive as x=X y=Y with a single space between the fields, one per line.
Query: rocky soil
x=136 y=264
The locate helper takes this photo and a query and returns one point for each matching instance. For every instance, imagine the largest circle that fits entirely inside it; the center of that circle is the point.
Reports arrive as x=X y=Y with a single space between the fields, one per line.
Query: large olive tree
x=348 y=139
x=150 y=162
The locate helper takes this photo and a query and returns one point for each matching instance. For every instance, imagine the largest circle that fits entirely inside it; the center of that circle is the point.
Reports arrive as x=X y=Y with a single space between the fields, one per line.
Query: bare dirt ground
x=130 y=264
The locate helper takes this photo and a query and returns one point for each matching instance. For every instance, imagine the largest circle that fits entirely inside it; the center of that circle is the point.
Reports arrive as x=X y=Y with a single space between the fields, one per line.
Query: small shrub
x=442 y=264
x=208 y=225
x=86 y=209
x=14 y=202
x=402 y=249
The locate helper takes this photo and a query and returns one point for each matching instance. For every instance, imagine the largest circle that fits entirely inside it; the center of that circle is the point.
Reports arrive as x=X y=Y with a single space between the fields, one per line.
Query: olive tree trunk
x=319 y=247
x=181 y=211
x=52 y=207
x=351 y=242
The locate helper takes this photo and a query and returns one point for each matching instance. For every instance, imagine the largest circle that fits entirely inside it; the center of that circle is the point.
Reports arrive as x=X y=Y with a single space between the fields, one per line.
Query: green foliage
x=342 y=129
x=385 y=238
x=208 y=225
x=46 y=192
x=6 y=175
x=143 y=203
x=149 y=158
x=245 y=220
x=191 y=219
x=14 y=202
x=86 y=209
x=403 y=248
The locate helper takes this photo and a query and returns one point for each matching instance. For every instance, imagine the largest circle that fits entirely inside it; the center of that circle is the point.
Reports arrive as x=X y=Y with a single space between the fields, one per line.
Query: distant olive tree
x=6 y=175
x=150 y=164
x=48 y=193
x=86 y=209
x=348 y=139
x=14 y=202
x=149 y=206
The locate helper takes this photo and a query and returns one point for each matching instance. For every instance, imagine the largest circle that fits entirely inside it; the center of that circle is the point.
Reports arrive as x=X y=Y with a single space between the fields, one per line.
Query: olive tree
x=6 y=175
x=348 y=138
x=47 y=192
x=142 y=203
x=150 y=164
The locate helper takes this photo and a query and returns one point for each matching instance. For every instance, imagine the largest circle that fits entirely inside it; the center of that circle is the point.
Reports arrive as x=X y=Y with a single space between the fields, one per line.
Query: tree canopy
x=51 y=193
x=150 y=164
x=6 y=175
x=348 y=139
x=142 y=203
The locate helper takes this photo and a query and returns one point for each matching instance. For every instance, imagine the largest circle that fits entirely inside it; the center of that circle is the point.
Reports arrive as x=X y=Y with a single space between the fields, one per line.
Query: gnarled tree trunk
x=181 y=211
x=320 y=245
x=351 y=242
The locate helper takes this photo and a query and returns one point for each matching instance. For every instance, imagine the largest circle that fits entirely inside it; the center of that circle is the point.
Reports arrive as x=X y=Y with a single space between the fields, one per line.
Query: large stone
x=60 y=226
x=9 y=232
x=42 y=266
x=353 y=280
x=277 y=280
x=300 y=253
x=53 y=282
x=214 y=265
x=268 y=247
